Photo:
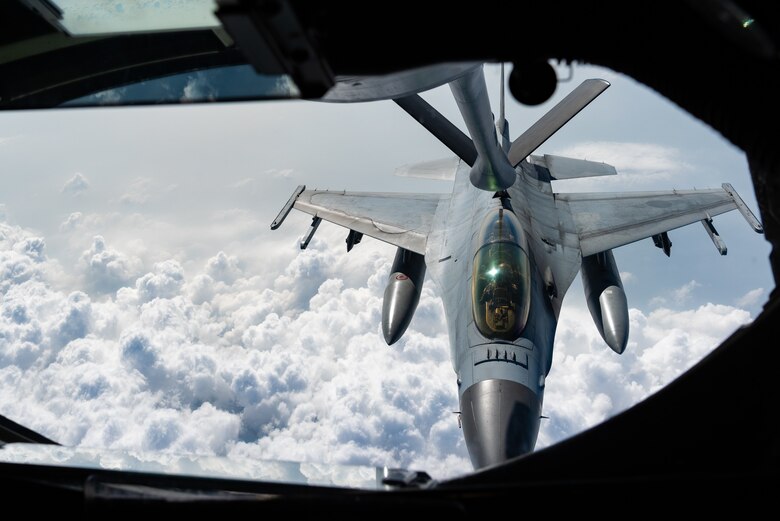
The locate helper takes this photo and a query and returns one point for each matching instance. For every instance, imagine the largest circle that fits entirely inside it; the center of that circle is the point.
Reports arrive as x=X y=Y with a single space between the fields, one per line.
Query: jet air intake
x=402 y=294
x=606 y=299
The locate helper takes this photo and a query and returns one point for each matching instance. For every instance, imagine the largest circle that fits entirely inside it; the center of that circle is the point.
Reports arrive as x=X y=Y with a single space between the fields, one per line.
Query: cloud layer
x=639 y=165
x=287 y=365
x=288 y=368
x=76 y=184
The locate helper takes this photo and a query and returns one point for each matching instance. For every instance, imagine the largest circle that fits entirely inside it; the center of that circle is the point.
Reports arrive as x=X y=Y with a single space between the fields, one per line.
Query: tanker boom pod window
x=500 y=285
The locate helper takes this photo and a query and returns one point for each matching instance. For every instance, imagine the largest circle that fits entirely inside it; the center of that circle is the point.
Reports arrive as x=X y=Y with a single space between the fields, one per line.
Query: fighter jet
x=503 y=249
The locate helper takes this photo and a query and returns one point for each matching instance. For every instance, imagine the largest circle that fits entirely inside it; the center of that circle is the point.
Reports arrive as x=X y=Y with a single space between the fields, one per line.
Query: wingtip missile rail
x=287 y=207
x=743 y=208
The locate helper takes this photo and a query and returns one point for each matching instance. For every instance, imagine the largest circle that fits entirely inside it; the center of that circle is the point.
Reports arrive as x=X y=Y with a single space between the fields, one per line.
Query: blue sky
x=146 y=305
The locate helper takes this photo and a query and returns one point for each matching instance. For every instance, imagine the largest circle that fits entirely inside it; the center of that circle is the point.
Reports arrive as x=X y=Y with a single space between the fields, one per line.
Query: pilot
x=487 y=293
x=504 y=272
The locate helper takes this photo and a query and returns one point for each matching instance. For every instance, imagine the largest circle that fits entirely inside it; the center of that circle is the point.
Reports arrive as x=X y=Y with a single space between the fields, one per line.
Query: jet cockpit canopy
x=501 y=282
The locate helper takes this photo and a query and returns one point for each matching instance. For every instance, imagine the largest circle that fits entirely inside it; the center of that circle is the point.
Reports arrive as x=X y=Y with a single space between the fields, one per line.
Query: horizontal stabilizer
x=561 y=167
x=438 y=169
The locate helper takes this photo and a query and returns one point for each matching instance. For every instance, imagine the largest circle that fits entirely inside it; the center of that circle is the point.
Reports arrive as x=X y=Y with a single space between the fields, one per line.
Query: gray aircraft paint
x=501 y=382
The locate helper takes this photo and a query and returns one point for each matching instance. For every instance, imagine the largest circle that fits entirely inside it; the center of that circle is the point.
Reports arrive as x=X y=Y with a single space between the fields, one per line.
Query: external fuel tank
x=402 y=293
x=606 y=299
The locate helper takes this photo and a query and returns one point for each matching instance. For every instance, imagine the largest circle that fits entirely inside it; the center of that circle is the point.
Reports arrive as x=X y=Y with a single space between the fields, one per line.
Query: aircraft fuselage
x=501 y=322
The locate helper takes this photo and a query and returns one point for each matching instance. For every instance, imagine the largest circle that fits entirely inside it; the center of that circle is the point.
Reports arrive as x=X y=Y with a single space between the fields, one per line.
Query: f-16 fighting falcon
x=504 y=248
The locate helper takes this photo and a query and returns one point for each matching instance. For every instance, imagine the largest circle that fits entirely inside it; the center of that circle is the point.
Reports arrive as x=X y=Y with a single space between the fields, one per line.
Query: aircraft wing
x=400 y=219
x=607 y=220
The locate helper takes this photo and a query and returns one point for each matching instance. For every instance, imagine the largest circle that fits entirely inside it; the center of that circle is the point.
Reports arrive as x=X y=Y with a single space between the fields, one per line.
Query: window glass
x=500 y=284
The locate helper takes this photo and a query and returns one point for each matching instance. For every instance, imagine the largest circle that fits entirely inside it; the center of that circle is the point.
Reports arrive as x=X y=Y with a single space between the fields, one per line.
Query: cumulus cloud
x=138 y=192
x=20 y=253
x=201 y=289
x=72 y=222
x=639 y=165
x=76 y=184
x=641 y=159
x=105 y=269
x=258 y=184
x=198 y=88
x=279 y=373
x=679 y=295
x=289 y=366
x=589 y=383
x=280 y=173
x=142 y=190
x=751 y=298
x=684 y=292
x=32 y=247
x=247 y=182
x=165 y=282
x=223 y=267
x=108 y=97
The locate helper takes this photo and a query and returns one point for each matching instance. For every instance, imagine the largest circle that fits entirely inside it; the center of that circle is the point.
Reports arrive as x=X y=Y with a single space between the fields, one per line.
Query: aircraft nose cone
x=500 y=420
